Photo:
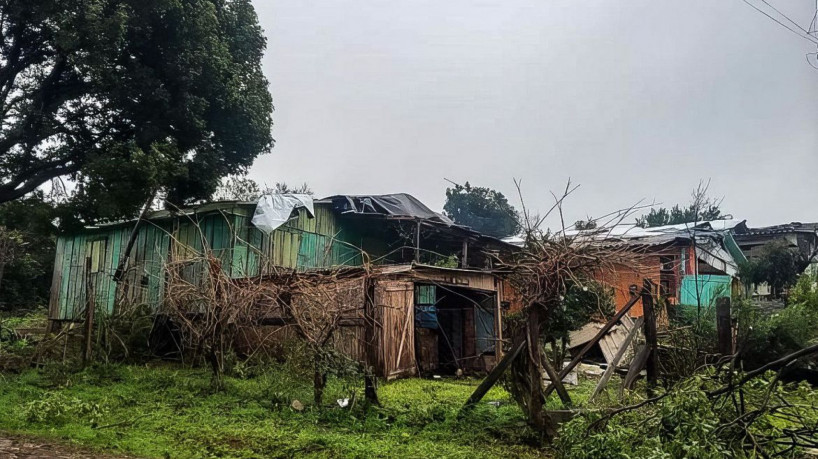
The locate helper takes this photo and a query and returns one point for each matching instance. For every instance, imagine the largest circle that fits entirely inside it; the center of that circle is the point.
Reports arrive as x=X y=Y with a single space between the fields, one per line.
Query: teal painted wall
x=302 y=243
x=710 y=287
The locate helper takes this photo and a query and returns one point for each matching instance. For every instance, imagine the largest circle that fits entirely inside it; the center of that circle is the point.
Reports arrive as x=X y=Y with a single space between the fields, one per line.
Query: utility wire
x=785 y=16
x=808 y=37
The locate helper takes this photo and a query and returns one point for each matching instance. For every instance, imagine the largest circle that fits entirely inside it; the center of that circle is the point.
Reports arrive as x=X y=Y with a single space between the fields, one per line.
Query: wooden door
x=394 y=304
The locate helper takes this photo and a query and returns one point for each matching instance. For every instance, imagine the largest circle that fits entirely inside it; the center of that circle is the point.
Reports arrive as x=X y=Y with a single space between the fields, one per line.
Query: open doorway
x=454 y=329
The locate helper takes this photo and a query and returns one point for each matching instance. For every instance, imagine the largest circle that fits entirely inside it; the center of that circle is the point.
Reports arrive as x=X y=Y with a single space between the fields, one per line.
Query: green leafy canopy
x=128 y=96
x=483 y=209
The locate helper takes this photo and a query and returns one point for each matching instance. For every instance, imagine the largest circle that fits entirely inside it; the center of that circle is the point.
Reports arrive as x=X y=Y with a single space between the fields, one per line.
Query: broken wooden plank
x=604 y=330
x=635 y=368
x=554 y=377
x=619 y=354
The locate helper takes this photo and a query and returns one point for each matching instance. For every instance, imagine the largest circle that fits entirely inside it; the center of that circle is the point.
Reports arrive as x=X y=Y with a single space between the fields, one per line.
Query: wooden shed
x=435 y=298
x=412 y=319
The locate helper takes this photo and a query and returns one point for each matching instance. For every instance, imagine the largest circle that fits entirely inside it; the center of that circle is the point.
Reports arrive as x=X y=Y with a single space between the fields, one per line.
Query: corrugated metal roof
x=794 y=227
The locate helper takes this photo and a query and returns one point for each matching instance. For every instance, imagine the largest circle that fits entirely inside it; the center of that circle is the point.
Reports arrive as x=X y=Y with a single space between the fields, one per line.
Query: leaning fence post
x=650 y=334
x=89 y=312
x=724 y=326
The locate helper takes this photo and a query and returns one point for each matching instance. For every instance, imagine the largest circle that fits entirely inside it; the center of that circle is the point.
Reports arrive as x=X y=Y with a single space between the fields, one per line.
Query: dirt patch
x=15 y=447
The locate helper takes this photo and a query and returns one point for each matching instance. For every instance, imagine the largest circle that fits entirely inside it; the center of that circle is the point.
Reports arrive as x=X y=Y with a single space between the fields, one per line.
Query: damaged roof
x=793 y=227
x=393 y=205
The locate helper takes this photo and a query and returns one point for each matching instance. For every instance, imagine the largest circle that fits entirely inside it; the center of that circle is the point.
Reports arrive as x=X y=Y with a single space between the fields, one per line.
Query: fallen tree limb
x=774 y=365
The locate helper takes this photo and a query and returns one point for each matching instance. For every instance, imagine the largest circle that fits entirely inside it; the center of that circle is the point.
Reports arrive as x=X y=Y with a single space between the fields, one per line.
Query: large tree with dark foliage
x=124 y=97
x=483 y=209
x=25 y=277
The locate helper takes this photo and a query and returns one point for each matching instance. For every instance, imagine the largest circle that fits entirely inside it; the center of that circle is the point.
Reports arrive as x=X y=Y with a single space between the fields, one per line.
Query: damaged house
x=690 y=265
x=437 y=300
x=801 y=238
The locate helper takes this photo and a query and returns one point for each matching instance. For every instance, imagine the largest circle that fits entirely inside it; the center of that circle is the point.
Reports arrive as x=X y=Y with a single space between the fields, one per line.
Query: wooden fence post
x=650 y=334
x=536 y=416
x=371 y=360
x=724 y=326
x=89 y=312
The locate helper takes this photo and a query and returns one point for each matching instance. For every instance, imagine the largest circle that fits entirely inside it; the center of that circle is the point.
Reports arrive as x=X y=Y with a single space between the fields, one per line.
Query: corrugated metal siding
x=710 y=288
x=301 y=243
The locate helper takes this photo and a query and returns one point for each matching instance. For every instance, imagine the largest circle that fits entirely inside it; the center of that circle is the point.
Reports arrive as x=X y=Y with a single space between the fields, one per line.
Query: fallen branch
x=774 y=365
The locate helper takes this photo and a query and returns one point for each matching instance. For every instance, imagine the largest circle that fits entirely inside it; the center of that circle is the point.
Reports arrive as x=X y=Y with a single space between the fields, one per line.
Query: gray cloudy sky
x=630 y=99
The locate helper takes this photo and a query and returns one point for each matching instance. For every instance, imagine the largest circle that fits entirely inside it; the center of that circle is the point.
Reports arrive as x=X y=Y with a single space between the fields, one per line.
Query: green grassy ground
x=160 y=410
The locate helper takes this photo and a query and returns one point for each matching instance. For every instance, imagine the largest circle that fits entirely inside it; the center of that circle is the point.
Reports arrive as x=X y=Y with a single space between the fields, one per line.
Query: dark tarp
x=395 y=205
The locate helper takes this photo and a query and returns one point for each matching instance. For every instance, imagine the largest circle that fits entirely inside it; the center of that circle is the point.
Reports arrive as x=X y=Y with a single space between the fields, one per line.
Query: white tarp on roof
x=274 y=210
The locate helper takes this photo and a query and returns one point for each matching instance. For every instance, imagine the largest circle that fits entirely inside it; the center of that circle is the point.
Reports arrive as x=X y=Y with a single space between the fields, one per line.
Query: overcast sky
x=630 y=99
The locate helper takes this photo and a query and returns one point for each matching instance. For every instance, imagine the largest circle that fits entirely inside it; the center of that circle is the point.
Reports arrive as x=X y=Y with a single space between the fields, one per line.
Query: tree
x=239 y=188
x=128 y=96
x=27 y=276
x=778 y=265
x=483 y=209
x=11 y=245
x=701 y=208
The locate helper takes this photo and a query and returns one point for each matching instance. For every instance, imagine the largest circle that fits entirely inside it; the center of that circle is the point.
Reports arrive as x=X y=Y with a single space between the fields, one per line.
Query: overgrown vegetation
x=706 y=410
x=764 y=335
x=690 y=423
x=161 y=410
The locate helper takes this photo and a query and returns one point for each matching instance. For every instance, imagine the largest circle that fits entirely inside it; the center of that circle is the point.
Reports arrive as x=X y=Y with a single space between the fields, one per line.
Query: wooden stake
x=517 y=347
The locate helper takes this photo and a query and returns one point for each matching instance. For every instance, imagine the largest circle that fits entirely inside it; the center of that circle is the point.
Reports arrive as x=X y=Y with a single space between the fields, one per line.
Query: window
x=425 y=309
x=667 y=276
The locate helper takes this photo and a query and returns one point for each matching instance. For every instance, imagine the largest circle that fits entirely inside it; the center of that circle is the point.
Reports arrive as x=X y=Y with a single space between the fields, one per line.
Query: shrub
x=56 y=408
x=764 y=337
x=689 y=423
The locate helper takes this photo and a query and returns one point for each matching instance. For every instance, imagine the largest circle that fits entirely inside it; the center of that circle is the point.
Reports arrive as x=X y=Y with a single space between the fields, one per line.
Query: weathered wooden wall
x=228 y=232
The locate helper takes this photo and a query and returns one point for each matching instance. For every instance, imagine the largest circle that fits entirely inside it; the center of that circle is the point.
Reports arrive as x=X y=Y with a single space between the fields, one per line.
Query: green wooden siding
x=710 y=287
x=302 y=243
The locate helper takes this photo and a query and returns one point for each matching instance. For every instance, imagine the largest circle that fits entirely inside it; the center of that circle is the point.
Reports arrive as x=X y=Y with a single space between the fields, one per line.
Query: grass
x=162 y=410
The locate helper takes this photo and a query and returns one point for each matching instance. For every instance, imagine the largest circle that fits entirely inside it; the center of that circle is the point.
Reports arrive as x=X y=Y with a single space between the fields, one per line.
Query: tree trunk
x=319 y=381
x=215 y=365
x=2 y=268
x=371 y=389
x=537 y=416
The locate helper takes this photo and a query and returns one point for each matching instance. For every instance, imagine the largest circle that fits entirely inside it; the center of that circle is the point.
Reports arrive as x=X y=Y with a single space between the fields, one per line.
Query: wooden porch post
x=417 y=242
x=498 y=320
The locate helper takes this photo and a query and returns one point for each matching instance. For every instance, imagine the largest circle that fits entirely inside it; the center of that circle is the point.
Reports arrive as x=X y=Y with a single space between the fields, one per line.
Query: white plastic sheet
x=273 y=210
